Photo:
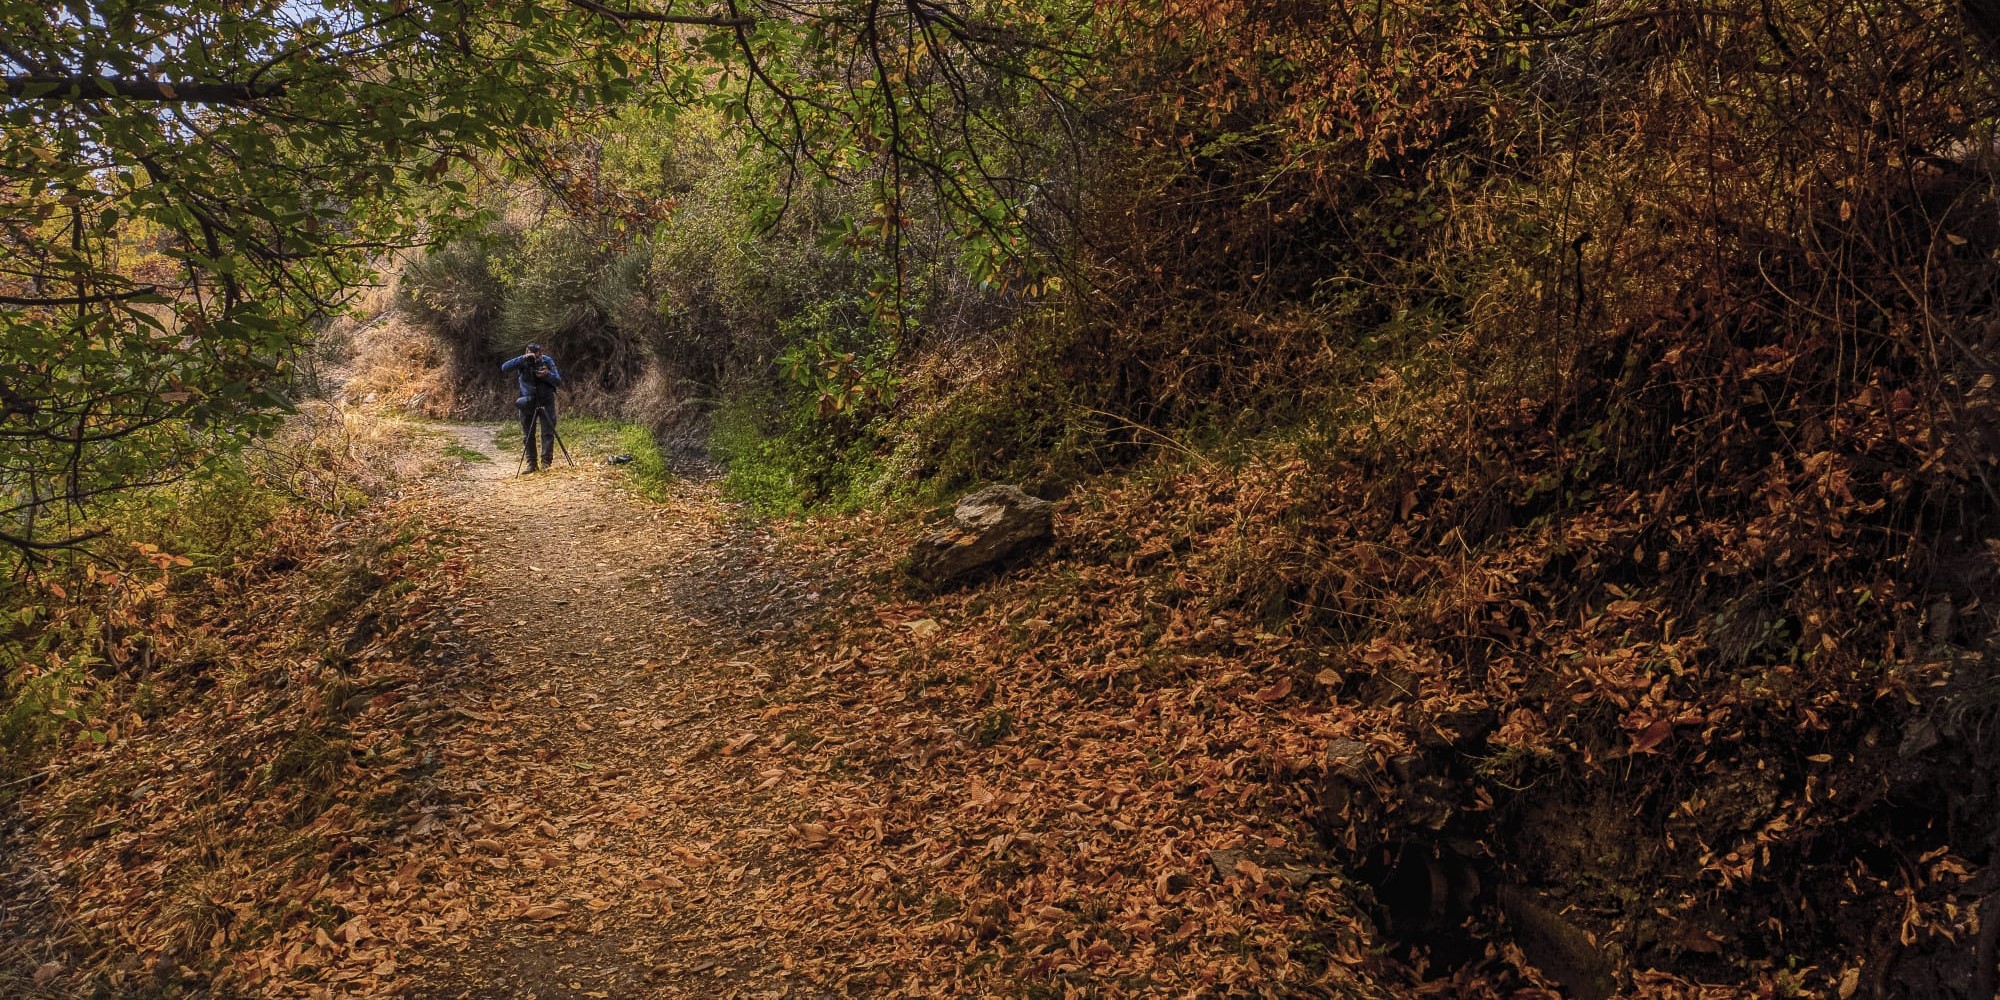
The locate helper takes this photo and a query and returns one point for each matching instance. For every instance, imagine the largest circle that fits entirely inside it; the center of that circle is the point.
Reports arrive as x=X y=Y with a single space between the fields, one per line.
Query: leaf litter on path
x=740 y=761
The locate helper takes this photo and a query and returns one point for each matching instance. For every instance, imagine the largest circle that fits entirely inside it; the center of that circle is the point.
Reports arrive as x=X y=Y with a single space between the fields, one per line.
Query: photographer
x=539 y=380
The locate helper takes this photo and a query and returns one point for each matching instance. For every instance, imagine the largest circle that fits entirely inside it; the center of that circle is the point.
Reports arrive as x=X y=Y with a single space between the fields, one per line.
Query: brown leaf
x=1653 y=736
x=1275 y=692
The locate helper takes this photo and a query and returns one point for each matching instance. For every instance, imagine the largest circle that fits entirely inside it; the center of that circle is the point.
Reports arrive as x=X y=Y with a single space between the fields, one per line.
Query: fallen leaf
x=1653 y=736
x=1276 y=692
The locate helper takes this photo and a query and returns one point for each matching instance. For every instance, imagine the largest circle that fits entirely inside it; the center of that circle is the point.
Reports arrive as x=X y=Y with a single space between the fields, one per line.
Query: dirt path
x=597 y=838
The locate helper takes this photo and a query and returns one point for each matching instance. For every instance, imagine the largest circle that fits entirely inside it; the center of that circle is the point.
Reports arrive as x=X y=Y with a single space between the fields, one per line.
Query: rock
x=1919 y=738
x=1292 y=869
x=1559 y=948
x=1224 y=863
x=988 y=527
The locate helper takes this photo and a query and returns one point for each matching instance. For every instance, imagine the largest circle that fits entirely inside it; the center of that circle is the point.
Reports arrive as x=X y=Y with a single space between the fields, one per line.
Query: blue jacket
x=533 y=387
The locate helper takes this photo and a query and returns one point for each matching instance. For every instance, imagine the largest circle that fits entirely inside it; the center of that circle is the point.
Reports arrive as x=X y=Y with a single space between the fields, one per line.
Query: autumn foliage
x=1625 y=380
x=1528 y=510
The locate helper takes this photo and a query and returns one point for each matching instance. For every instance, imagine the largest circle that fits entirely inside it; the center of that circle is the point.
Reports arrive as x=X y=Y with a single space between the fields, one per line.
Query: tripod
x=528 y=438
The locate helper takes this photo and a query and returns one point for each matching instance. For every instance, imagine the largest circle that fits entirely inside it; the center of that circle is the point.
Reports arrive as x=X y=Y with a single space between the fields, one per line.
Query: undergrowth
x=71 y=619
x=220 y=706
x=594 y=440
x=793 y=462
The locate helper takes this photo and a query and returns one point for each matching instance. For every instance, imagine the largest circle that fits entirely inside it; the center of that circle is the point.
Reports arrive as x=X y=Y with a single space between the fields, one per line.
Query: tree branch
x=30 y=545
x=93 y=88
x=622 y=16
x=75 y=300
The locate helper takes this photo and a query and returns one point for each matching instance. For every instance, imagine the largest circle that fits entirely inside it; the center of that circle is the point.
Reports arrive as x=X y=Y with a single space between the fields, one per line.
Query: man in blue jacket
x=539 y=379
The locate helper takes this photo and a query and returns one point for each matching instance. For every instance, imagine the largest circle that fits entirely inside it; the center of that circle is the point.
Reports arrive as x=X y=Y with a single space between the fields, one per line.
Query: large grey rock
x=989 y=526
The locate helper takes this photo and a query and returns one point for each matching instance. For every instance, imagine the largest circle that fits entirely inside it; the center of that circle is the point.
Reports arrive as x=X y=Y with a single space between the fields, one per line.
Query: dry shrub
x=1640 y=367
x=398 y=367
x=334 y=459
x=669 y=408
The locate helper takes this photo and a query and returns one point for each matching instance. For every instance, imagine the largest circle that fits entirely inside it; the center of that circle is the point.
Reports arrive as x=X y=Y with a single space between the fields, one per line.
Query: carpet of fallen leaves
x=215 y=820
x=536 y=736
x=717 y=759
x=585 y=745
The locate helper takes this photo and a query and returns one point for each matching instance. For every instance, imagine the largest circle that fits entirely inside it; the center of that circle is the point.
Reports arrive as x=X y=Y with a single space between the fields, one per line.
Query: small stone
x=1348 y=757
x=1919 y=737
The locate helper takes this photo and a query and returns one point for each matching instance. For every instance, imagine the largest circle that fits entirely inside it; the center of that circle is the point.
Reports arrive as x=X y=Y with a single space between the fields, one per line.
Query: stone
x=1565 y=952
x=1295 y=871
x=1223 y=863
x=988 y=527
x=1919 y=738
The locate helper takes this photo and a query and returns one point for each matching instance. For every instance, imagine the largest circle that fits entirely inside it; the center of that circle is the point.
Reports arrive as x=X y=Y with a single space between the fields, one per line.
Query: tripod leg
x=528 y=443
x=564 y=447
x=558 y=436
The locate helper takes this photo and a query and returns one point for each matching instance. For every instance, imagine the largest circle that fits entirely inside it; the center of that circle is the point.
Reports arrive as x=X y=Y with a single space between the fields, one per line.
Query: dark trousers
x=540 y=412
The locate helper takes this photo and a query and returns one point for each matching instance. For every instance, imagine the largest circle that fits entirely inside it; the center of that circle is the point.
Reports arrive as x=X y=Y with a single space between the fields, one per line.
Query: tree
x=187 y=185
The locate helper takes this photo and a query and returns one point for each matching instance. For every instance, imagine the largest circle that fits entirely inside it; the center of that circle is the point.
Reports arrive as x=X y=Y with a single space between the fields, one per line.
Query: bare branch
x=34 y=546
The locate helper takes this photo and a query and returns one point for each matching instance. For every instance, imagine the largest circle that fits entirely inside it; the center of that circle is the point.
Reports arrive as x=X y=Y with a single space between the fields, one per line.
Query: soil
x=605 y=843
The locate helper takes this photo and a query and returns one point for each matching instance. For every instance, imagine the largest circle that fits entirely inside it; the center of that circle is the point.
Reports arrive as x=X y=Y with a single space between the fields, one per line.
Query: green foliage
x=840 y=356
x=464 y=454
x=187 y=187
x=454 y=287
x=548 y=284
x=184 y=187
x=785 y=458
x=649 y=470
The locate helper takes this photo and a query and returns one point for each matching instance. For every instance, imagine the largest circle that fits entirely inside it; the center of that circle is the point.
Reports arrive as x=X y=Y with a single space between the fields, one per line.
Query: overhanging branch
x=621 y=16
x=97 y=88
x=76 y=300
